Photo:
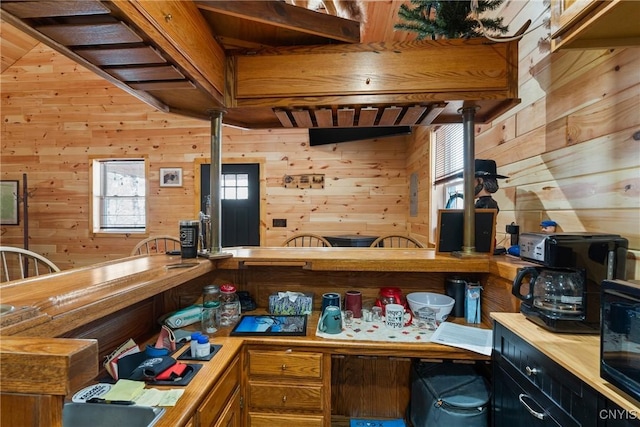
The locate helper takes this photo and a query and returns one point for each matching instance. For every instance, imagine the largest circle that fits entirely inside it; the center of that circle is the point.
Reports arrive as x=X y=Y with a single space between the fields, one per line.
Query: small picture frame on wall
x=170 y=177
x=9 y=203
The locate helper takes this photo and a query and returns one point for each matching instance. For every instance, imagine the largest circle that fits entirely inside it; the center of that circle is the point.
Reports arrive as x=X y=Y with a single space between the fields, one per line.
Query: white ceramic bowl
x=441 y=303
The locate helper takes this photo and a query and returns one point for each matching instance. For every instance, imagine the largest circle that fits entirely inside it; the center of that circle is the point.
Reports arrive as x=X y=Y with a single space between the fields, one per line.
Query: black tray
x=187 y=354
x=190 y=372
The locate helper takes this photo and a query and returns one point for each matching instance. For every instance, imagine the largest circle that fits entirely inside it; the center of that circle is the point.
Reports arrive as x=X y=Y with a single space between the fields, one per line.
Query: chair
x=396 y=241
x=18 y=263
x=307 y=240
x=156 y=245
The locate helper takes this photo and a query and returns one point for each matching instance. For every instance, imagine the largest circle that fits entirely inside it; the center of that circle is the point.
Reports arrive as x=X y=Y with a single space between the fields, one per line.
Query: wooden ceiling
x=194 y=57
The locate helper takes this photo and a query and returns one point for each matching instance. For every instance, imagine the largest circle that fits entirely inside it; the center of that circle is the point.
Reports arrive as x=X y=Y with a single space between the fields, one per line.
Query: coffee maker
x=564 y=288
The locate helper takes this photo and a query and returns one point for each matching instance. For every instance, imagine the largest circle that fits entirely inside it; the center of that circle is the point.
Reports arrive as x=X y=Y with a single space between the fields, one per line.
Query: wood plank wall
x=568 y=149
x=57 y=117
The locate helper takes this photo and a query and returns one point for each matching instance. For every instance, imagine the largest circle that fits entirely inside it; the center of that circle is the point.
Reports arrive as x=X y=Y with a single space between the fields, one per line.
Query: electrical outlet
x=279 y=222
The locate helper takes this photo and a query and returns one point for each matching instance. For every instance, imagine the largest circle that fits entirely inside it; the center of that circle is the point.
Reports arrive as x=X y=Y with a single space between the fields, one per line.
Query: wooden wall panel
x=418 y=162
x=574 y=154
x=14 y=44
x=57 y=117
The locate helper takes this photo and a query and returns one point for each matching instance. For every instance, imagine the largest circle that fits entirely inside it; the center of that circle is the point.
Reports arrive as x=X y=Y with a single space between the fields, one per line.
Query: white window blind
x=449 y=161
x=119 y=191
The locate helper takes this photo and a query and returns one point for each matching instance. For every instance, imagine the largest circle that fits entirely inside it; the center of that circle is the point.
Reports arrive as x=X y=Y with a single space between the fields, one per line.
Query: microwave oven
x=620 y=335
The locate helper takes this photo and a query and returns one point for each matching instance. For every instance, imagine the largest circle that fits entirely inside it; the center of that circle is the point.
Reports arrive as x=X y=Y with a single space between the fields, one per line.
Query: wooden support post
x=469 y=224
x=215 y=223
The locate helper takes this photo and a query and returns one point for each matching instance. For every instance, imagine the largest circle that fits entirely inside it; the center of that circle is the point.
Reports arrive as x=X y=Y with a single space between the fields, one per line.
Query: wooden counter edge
x=63 y=364
x=578 y=355
x=352 y=259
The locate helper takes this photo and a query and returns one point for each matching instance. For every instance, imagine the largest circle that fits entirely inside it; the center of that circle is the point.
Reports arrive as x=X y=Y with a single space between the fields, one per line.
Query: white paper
x=155 y=397
x=467 y=337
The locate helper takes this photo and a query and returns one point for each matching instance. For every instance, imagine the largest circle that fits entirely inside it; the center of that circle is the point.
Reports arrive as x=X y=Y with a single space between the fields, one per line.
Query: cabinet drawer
x=530 y=367
x=531 y=363
x=285 y=396
x=271 y=420
x=215 y=402
x=517 y=405
x=285 y=364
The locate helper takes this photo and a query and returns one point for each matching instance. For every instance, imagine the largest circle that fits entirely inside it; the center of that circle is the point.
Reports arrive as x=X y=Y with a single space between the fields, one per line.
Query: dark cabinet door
x=611 y=415
x=514 y=405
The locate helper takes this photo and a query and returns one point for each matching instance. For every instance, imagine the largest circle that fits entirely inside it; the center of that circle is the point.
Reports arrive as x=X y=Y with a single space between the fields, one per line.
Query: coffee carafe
x=593 y=257
x=555 y=295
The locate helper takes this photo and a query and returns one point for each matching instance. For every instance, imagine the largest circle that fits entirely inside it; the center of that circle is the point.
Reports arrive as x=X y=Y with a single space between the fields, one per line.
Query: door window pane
x=235 y=186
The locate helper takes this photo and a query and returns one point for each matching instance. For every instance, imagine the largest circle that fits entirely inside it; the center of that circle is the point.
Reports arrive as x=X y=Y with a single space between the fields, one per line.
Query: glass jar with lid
x=229 y=305
x=210 y=315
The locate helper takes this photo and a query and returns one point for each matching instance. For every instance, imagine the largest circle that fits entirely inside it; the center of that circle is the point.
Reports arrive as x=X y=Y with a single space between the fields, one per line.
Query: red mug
x=353 y=302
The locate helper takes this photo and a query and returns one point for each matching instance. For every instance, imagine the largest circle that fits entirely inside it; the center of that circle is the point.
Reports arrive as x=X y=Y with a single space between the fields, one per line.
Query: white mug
x=394 y=316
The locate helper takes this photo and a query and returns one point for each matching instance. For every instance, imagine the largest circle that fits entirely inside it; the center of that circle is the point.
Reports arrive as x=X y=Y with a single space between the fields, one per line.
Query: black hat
x=487 y=168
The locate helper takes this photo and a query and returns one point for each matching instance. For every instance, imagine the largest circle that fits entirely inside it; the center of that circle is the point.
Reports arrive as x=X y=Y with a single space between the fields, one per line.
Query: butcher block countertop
x=577 y=353
x=368 y=259
x=53 y=304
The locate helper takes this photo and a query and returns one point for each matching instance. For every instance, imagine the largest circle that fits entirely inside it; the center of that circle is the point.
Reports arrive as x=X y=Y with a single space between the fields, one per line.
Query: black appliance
x=620 y=335
x=595 y=257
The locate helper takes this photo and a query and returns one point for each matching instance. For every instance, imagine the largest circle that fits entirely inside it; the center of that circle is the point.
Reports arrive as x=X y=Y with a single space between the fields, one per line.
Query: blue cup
x=330 y=299
x=331 y=320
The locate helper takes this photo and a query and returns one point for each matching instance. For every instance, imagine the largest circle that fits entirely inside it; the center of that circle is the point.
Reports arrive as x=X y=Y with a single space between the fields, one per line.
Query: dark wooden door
x=240 y=193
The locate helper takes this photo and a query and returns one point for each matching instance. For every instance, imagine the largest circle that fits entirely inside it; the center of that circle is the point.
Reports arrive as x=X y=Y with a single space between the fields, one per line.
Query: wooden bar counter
x=98 y=307
x=353 y=259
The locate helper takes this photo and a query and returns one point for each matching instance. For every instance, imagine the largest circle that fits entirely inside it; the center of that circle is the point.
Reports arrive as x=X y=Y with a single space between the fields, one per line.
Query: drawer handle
x=532 y=371
x=538 y=415
x=284 y=367
x=284 y=399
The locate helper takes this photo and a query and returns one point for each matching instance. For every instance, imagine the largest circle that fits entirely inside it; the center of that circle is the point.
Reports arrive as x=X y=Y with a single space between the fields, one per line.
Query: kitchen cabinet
x=223 y=405
x=231 y=416
x=589 y=24
x=286 y=386
x=528 y=385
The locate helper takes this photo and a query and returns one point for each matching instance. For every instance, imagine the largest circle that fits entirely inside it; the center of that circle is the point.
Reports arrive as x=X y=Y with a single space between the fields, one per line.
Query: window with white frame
x=449 y=164
x=119 y=188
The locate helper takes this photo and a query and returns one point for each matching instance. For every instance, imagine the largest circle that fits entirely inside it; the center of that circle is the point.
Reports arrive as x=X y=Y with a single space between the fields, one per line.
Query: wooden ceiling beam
x=412 y=115
x=32 y=9
x=175 y=85
x=111 y=56
x=345 y=117
x=433 y=113
x=284 y=118
x=286 y=16
x=367 y=116
x=302 y=118
x=324 y=117
x=389 y=116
